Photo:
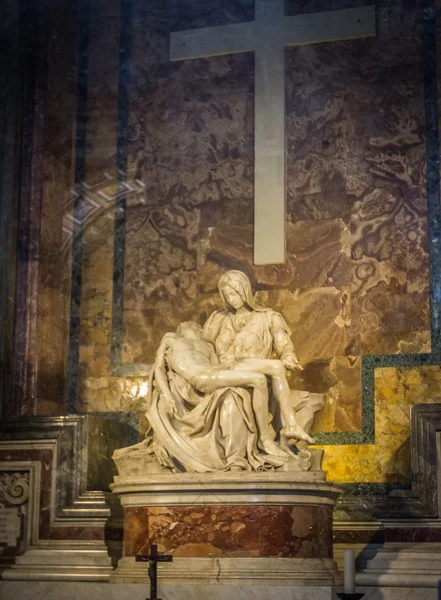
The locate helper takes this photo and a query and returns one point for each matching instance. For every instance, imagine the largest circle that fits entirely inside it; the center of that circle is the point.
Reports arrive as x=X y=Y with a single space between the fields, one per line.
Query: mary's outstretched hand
x=291 y=363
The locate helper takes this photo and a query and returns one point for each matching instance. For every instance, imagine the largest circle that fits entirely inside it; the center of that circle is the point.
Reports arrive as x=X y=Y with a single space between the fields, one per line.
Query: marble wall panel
x=59 y=160
x=46 y=530
x=192 y=121
x=11 y=116
x=100 y=193
x=108 y=394
x=96 y=297
x=366 y=207
x=326 y=311
x=388 y=534
x=342 y=411
x=356 y=278
x=308 y=264
x=406 y=342
x=282 y=531
x=49 y=289
x=388 y=460
x=161 y=268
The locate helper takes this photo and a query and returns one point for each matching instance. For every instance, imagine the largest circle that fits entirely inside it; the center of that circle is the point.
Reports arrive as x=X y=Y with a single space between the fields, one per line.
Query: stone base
x=225 y=515
x=215 y=531
x=23 y=590
x=61 y=564
x=12 y=590
x=253 y=530
x=233 y=571
x=403 y=565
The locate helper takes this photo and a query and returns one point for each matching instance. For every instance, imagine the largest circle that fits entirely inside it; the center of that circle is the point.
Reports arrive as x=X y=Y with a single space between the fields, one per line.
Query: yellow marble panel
x=388 y=460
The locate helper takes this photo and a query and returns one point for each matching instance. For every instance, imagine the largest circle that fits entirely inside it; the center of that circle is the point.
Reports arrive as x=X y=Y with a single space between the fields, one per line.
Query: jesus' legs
x=275 y=369
x=219 y=378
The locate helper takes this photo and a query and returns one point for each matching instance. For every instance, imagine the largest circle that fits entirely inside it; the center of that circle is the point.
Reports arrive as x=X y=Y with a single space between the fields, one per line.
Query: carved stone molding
x=19 y=507
x=69 y=463
x=75 y=451
x=14 y=493
x=61 y=468
x=14 y=487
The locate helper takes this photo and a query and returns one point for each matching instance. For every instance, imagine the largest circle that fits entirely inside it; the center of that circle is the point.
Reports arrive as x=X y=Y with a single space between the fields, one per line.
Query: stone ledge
x=234 y=571
x=59 y=563
x=403 y=565
x=269 y=487
x=11 y=590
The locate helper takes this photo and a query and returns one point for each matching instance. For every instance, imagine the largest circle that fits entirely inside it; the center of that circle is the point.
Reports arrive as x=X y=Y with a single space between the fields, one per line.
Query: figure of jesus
x=195 y=359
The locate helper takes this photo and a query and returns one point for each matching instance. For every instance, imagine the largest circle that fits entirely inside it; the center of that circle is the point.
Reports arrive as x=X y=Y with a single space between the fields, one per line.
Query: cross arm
x=212 y=41
x=328 y=26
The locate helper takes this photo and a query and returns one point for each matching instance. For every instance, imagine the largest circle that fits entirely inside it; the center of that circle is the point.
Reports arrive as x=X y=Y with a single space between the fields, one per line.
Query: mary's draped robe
x=207 y=432
x=217 y=431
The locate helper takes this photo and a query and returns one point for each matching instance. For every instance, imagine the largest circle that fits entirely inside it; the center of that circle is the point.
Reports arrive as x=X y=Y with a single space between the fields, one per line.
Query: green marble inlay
x=121 y=164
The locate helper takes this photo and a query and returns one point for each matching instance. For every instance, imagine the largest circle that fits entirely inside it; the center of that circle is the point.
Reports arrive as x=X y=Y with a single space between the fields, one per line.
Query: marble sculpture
x=218 y=396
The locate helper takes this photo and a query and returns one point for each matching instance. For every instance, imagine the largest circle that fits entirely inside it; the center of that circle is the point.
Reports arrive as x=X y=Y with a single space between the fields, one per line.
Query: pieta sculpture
x=218 y=396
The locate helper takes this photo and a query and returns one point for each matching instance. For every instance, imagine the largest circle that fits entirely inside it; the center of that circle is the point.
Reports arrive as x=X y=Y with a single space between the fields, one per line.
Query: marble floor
x=47 y=590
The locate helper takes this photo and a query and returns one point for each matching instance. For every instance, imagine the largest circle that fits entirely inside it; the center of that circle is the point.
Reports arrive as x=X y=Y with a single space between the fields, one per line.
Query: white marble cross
x=267 y=36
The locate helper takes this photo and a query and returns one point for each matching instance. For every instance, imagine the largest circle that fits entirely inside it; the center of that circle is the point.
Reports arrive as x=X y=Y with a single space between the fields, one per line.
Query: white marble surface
x=403 y=565
x=398 y=593
x=14 y=590
x=10 y=590
x=265 y=487
x=244 y=593
x=61 y=564
x=225 y=572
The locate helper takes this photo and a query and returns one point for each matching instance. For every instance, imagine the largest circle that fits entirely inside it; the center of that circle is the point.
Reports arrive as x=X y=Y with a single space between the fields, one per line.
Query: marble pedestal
x=269 y=528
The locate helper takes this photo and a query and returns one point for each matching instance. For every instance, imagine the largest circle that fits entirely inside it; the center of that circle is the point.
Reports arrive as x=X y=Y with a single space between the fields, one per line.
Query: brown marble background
x=280 y=531
x=356 y=279
x=57 y=194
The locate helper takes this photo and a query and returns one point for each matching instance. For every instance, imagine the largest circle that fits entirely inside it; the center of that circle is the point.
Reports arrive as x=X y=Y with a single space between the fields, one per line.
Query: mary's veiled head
x=239 y=283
